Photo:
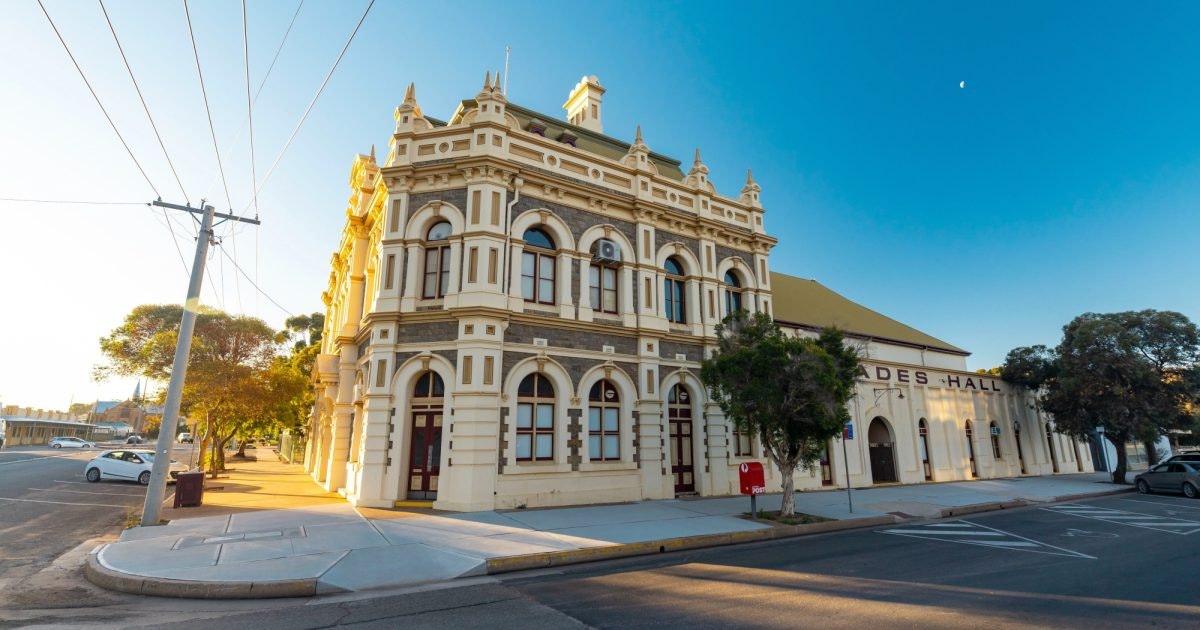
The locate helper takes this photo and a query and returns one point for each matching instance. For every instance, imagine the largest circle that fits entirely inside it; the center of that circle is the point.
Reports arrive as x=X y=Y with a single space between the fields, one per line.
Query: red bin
x=189 y=489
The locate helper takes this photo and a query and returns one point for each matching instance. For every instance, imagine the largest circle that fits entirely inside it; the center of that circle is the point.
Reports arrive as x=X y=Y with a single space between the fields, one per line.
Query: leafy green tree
x=789 y=391
x=1129 y=373
x=229 y=357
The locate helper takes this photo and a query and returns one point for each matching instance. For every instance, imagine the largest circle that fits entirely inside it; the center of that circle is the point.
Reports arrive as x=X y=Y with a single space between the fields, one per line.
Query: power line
x=249 y=104
x=143 y=99
x=93 y=91
x=212 y=130
x=278 y=50
x=76 y=202
x=256 y=287
x=313 y=102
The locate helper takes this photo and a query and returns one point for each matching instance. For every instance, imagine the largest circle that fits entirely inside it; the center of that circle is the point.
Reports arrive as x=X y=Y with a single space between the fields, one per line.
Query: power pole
x=152 y=511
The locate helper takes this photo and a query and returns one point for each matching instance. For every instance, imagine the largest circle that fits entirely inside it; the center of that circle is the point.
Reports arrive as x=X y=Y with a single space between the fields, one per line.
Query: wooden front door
x=883 y=463
x=679 y=416
x=425 y=455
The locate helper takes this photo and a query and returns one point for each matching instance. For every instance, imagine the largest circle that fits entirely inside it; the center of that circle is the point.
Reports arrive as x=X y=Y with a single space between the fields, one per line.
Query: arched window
x=602 y=280
x=535 y=419
x=675 y=292
x=994 y=430
x=733 y=293
x=437 y=261
x=971 y=449
x=429 y=385
x=537 y=267
x=604 y=422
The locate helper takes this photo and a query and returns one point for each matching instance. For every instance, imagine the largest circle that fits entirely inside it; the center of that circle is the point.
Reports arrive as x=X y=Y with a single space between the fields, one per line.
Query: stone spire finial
x=372 y=152
x=697 y=177
x=638 y=154
x=410 y=95
x=487 y=81
x=637 y=138
x=751 y=191
x=496 y=82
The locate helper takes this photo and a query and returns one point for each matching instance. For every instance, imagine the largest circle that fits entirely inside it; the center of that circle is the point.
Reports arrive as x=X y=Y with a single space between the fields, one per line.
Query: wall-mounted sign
x=921 y=377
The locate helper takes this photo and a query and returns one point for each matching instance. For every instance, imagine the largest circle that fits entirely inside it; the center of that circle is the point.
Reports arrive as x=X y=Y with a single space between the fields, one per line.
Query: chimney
x=583 y=105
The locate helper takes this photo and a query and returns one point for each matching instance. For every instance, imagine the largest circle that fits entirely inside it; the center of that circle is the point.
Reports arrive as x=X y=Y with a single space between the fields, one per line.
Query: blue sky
x=1063 y=178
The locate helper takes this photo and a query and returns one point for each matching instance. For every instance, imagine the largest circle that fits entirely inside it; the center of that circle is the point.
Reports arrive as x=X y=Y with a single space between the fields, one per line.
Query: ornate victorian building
x=519 y=305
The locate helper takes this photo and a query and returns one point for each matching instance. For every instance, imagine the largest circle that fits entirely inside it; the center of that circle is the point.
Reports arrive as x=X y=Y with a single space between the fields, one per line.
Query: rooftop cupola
x=750 y=191
x=583 y=105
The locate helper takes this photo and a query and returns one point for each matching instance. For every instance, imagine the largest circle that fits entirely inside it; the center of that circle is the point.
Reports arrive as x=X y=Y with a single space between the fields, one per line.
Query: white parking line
x=982 y=536
x=1132 y=519
x=64 y=503
x=1170 y=505
x=38 y=458
x=107 y=494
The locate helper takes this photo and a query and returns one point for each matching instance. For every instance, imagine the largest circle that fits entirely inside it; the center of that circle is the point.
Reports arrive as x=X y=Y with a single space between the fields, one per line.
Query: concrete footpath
x=267 y=530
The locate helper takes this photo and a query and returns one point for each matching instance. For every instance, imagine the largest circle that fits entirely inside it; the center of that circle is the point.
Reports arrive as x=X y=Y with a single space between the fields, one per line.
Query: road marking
x=969 y=533
x=107 y=494
x=1132 y=519
x=63 y=502
x=1170 y=505
x=1083 y=533
x=36 y=458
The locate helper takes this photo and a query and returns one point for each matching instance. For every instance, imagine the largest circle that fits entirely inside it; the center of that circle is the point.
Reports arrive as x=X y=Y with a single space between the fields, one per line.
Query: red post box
x=750 y=474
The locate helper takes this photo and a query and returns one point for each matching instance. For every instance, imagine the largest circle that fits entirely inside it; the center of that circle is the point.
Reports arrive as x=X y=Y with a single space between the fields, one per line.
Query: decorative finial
x=698 y=156
x=487 y=81
x=749 y=177
x=637 y=139
x=372 y=151
x=496 y=82
x=410 y=95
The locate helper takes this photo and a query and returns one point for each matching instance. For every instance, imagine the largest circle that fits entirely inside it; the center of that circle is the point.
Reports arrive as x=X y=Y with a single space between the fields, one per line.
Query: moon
x=962 y=84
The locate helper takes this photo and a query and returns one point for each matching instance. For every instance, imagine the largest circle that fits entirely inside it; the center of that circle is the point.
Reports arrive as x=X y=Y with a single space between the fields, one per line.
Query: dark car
x=1171 y=477
x=134 y=439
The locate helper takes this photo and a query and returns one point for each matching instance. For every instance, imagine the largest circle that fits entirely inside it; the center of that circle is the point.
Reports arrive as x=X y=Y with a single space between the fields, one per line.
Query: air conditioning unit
x=608 y=251
x=995 y=430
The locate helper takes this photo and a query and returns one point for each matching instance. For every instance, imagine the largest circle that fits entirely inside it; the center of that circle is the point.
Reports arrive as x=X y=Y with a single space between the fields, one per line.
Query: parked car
x=70 y=442
x=134 y=439
x=1185 y=456
x=127 y=464
x=184 y=438
x=1171 y=477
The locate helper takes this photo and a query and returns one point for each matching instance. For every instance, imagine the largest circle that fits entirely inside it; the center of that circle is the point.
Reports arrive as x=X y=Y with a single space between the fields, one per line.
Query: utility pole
x=152 y=511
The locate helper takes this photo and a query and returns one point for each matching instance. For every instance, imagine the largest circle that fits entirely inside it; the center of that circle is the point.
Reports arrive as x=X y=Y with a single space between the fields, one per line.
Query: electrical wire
x=249 y=104
x=255 y=285
x=278 y=50
x=212 y=130
x=142 y=97
x=76 y=202
x=95 y=96
x=307 y=110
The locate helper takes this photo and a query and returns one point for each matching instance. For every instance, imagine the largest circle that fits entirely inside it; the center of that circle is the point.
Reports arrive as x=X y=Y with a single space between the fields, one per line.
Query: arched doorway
x=971 y=448
x=679 y=416
x=1050 y=447
x=1020 y=453
x=882 y=446
x=425 y=439
x=923 y=447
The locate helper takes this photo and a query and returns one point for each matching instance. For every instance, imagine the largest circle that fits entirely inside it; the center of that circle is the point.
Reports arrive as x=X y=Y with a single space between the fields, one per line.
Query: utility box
x=189 y=489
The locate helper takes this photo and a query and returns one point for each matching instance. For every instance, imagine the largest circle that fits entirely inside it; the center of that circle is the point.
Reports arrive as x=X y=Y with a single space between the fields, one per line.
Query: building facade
x=518 y=308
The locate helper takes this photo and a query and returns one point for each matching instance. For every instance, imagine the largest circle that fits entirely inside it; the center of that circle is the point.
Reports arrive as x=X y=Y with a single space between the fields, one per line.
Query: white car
x=70 y=442
x=127 y=464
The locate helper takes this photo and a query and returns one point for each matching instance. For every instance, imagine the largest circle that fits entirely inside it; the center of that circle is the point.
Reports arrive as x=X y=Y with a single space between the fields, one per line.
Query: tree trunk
x=1118 y=473
x=788 y=507
x=1151 y=452
x=242 y=448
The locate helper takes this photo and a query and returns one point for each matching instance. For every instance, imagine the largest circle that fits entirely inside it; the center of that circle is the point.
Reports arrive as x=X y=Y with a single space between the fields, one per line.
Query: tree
x=1129 y=373
x=225 y=370
x=789 y=391
x=80 y=409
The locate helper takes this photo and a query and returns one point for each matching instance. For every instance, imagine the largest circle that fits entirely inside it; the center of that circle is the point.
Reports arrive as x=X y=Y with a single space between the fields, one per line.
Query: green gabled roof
x=587 y=140
x=810 y=304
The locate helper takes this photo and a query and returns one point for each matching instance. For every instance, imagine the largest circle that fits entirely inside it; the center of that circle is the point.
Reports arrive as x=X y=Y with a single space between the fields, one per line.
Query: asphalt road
x=47 y=508
x=1116 y=562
